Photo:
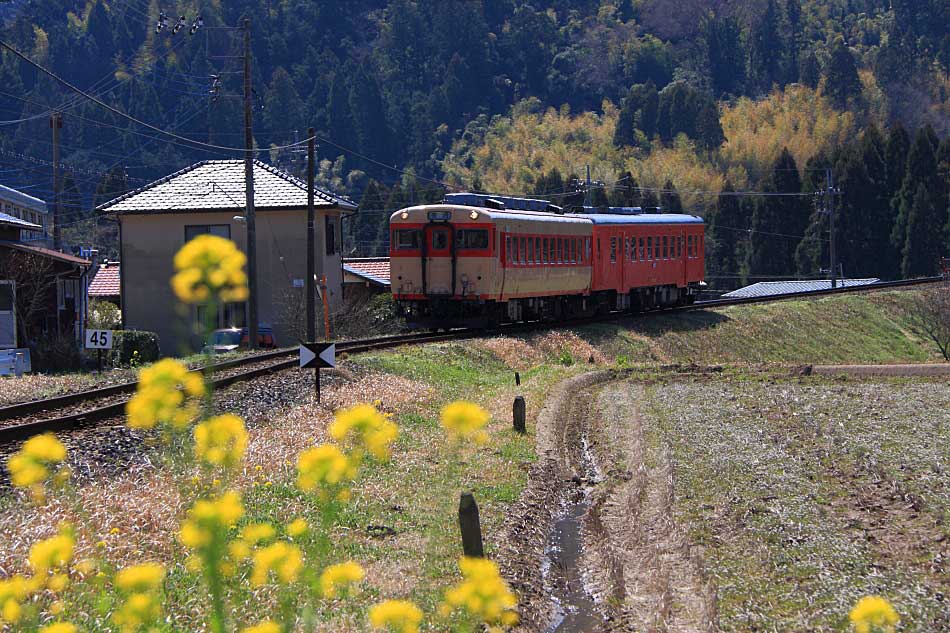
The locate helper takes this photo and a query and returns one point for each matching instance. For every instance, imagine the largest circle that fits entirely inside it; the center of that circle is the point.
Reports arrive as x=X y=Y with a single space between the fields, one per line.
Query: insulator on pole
x=179 y=25
x=197 y=24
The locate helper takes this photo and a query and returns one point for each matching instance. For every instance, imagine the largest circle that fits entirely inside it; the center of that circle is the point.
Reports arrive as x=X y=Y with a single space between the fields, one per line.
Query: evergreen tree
x=650 y=200
x=725 y=226
x=896 y=151
x=924 y=245
x=875 y=197
x=921 y=171
x=812 y=253
x=842 y=83
x=638 y=112
x=598 y=196
x=778 y=222
x=722 y=37
x=369 y=116
x=339 y=115
x=670 y=199
x=625 y=192
x=793 y=14
x=764 y=62
x=809 y=70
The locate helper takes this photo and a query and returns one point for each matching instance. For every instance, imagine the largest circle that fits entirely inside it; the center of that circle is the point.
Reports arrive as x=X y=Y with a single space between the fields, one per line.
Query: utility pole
x=56 y=123
x=249 y=192
x=587 y=198
x=311 y=240
x=830 y=208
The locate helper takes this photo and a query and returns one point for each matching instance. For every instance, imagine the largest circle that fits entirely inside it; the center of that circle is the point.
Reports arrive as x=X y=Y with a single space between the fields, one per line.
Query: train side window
x=471 y=238
x=573 y=250
x=613 y=250
x=679 y=247
x=633 y=249
x=666 y=248
x=641 y=249
x=650 y=247
x=689 y=247
x=587 y=250
x=546 y=250
x=407 y=239
x=560 y=250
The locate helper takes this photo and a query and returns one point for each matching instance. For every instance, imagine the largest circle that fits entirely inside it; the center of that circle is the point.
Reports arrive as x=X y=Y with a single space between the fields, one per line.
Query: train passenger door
x=438 y=259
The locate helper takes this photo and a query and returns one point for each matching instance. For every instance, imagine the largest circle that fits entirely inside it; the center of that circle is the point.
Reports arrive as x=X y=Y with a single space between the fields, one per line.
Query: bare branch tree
x=930 y=314
x=34 y=279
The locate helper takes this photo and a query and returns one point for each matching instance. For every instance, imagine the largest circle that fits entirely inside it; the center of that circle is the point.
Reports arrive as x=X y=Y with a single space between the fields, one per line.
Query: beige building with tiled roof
x=208 y=197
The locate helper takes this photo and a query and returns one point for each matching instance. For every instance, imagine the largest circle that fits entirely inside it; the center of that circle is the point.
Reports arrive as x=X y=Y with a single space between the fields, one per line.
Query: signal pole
x=56 y=123
x=311 y=239
x=249 y=192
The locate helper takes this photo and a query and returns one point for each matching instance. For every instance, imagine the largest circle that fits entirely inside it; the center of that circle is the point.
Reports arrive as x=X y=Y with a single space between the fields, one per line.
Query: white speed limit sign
x=98 y=339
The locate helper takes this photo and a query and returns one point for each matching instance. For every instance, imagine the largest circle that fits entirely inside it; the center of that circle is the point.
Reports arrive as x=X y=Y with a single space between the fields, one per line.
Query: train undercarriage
x=446 y=312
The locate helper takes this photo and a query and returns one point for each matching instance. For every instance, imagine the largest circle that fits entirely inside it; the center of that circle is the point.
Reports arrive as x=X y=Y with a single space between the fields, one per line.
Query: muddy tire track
x=592 y=545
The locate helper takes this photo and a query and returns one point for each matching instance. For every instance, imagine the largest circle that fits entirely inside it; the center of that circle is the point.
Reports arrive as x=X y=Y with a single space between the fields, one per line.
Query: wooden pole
x=326 y=308
x=518 y=415
x=56 y=122
x=470 y=526
x=249 y=192
x=311 y=241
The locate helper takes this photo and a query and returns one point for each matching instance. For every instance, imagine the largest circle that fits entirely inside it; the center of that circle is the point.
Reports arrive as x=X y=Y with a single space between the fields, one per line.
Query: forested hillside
x=518 y=97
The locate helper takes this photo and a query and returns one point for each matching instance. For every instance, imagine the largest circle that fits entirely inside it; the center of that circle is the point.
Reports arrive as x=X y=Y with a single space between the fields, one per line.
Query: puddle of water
x=574 y=608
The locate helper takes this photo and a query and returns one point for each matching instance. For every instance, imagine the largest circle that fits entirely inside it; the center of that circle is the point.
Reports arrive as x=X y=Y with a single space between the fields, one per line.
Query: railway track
x=60 y=413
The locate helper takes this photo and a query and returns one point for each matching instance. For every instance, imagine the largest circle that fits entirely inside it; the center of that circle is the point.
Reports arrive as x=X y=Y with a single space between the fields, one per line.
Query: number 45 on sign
x=99 y=340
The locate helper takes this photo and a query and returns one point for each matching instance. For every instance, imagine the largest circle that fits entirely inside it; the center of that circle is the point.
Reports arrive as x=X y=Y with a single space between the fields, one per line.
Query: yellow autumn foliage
x=519 y=148
x=798 y=118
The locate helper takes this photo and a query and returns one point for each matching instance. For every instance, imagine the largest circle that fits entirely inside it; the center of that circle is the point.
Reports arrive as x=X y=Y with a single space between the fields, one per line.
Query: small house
x=209 y=198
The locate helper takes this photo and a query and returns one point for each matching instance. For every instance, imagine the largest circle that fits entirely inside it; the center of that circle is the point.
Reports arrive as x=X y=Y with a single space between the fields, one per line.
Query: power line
x=118 y=112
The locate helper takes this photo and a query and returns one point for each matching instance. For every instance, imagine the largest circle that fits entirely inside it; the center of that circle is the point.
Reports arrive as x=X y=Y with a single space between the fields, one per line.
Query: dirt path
x=592 y=544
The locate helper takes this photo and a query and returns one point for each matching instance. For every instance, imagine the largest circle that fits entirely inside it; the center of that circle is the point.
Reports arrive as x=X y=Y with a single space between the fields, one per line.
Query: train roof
x=505 y=214
x=640 y=218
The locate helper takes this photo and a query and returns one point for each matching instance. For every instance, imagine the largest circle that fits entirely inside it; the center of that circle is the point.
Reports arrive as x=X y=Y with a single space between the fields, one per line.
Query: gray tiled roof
x=767 y=288
x=10 y=220
x=23 y=199
x=218 y=185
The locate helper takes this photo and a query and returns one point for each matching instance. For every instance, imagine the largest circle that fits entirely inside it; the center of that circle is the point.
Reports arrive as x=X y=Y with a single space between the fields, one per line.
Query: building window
x=329 y=225
x=6 y=296
x=194 y=230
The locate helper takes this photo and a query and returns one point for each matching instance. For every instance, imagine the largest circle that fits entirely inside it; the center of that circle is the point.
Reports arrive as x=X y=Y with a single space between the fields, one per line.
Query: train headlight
x=473 y=215
x=404 y=215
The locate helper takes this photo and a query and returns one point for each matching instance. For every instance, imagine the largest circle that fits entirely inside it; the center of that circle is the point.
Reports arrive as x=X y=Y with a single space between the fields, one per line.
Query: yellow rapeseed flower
x=221 y=440
x=399 y=616
x=166 y=394
x=13 y=591
x=324 y=467
x=59 y=627
x=873 y=614
x=52 y=554
x=297 y=527
x=282 y=558
x=144 y=577
x=340 y=576
x=206 y=518
x=210 y=267
x=30 y=466
x=483 y=593
x=465 y=421
x=267 y=626
x=364 y=424
x=258 y=532
x=139 y=611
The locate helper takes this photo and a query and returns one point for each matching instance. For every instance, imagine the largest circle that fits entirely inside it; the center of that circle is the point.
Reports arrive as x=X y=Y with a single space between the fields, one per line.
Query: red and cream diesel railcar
x=462 y=265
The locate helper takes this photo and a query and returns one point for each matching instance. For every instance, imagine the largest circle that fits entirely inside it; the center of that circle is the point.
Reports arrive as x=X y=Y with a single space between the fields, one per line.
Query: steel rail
x=115 y=409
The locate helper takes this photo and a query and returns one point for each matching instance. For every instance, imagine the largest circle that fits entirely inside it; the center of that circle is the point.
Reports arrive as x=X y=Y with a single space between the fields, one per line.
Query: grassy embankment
x=860 y=328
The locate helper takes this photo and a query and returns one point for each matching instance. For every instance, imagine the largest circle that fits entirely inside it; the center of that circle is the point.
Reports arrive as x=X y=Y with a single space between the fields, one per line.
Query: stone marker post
x=470 y=526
